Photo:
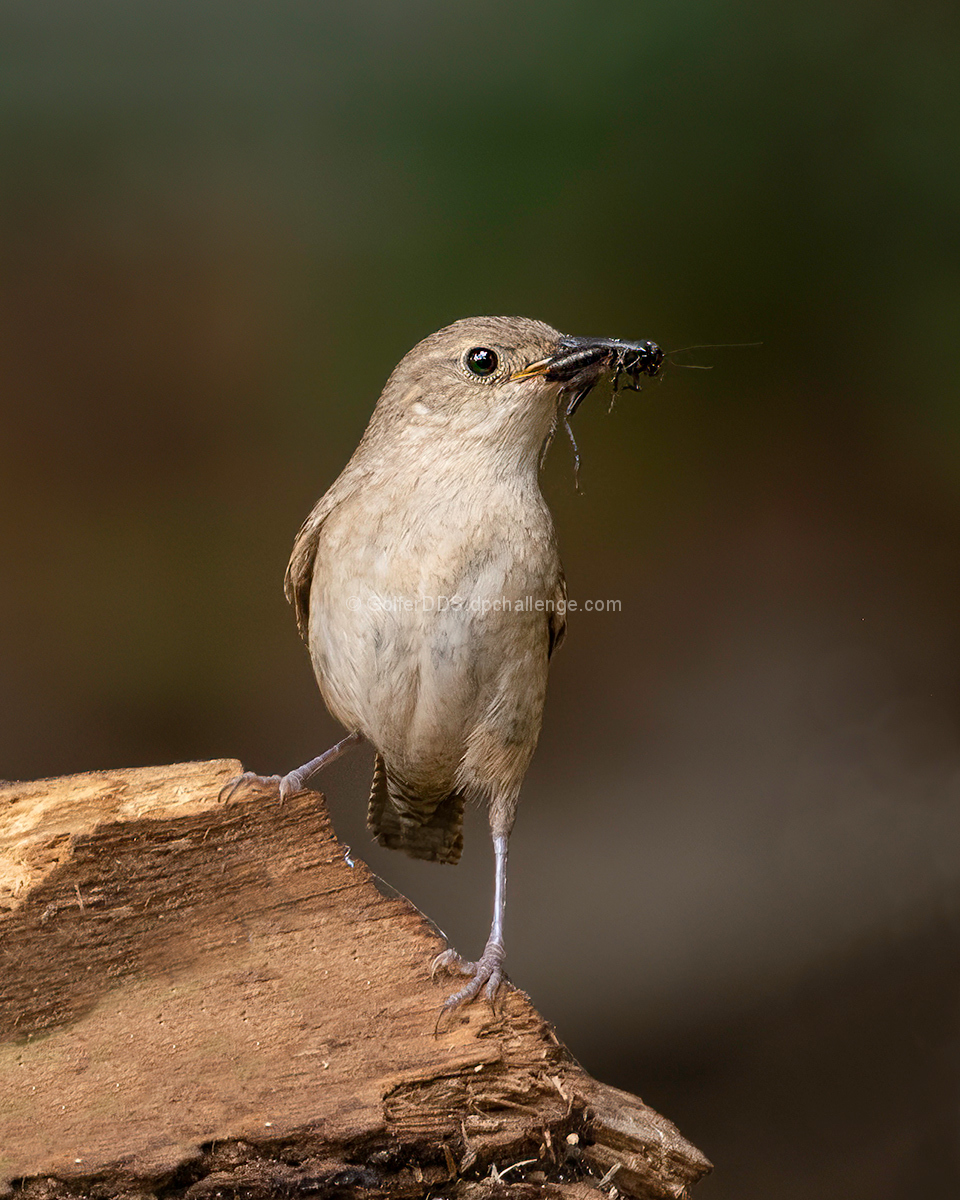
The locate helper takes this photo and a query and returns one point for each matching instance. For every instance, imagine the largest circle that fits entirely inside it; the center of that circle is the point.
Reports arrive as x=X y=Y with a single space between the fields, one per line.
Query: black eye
x=481 y=361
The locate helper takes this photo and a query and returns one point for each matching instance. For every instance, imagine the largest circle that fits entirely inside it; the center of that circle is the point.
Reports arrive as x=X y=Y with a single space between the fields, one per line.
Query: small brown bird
x=428 y=586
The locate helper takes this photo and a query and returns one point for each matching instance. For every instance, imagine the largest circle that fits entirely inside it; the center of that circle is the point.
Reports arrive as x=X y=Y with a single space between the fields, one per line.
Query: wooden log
x=201 y=1000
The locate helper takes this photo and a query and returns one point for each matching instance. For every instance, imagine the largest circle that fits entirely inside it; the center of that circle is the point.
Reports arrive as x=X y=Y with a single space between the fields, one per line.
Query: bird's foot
x=486 y=974
x=293 y=781
x=286 y=784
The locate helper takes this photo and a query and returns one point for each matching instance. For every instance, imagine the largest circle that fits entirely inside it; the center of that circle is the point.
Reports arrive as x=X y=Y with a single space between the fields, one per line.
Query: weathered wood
x=207 y=1000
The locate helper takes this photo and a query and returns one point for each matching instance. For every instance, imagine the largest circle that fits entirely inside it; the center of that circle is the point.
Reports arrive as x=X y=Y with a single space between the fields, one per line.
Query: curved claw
x=451 y=962
x=230 y=788
x=486 y=974
x=291 y=783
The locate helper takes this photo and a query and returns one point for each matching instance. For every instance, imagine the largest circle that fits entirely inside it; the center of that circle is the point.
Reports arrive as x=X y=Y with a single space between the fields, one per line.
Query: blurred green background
x=736 y=875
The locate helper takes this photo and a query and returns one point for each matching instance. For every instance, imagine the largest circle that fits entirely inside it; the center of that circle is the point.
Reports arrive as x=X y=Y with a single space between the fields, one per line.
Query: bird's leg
x=487 y=971
x=293 y=781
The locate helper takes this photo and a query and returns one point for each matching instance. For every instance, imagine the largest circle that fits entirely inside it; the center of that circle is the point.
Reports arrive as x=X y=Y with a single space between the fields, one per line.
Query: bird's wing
x=299 y=576
x=557 y=618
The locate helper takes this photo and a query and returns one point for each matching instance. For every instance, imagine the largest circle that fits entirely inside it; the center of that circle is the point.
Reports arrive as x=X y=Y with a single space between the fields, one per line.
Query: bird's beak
x=572 y=356
x=534 y=369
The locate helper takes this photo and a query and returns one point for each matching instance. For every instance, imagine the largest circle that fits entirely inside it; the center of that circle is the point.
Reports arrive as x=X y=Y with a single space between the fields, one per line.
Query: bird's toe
x=451 y=963
x=247 y=779
x=486 y=974
x=291 y=783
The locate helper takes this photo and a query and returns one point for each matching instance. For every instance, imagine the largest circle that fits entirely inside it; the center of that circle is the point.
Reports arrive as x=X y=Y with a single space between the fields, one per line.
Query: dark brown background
x=736 y=869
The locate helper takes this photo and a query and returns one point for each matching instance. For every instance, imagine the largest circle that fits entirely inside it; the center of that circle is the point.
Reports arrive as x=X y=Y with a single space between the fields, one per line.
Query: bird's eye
x=481 y=361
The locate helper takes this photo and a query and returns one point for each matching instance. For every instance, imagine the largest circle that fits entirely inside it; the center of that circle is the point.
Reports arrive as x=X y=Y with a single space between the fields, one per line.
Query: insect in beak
x=579 y=363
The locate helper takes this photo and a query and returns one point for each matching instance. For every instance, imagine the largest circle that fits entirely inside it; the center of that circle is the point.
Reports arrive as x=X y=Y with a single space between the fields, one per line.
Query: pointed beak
x=535 y=368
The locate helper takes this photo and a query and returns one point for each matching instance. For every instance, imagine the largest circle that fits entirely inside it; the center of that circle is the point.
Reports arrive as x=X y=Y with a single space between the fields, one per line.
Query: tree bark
x=201 y=999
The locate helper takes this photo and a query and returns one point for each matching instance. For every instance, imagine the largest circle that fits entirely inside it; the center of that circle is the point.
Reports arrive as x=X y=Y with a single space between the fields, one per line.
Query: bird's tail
x=400 y=820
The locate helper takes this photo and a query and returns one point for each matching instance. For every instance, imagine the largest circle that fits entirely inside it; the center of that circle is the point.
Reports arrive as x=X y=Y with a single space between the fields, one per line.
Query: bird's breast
x=415 y=609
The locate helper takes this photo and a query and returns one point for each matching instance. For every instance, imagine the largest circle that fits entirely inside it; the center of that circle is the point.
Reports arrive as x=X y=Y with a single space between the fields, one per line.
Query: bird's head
x=501 y=382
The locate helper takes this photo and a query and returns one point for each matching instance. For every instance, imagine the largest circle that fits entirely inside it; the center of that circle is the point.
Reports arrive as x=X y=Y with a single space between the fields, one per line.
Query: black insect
x=587 y=359
x=582 y=362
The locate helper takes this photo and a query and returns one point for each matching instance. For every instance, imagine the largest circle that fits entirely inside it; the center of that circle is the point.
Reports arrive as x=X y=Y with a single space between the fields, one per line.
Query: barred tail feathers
x=399 y=820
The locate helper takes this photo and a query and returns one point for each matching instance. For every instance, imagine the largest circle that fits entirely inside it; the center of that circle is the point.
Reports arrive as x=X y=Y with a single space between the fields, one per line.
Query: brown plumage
x=428 y=586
